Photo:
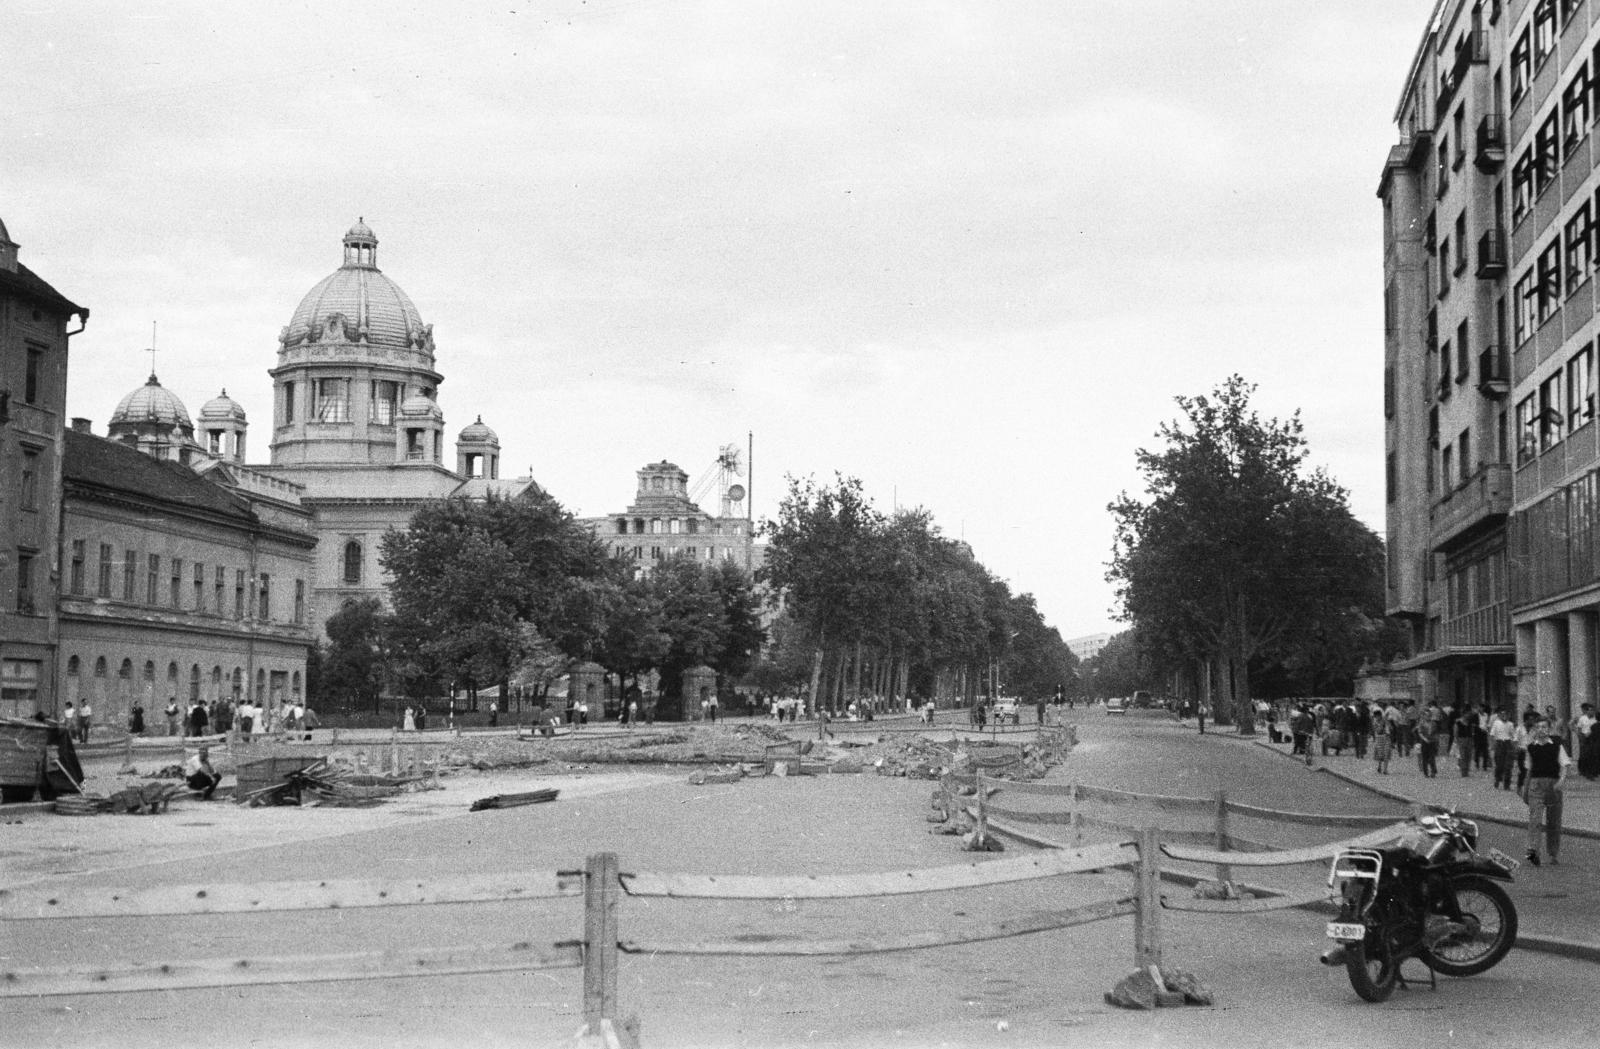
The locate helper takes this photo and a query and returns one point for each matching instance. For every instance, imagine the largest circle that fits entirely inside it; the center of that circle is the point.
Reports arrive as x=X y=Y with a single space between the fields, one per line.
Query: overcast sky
x=966 y=252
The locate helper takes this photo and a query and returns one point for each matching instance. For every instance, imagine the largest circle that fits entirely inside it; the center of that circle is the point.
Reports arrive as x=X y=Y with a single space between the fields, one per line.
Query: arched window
x=194 y=683
x=172 y=679
x=148 y=693
x=352 y=563
x=99 y=693
x=622 y=526
x=238 y=684
x=125 y=682
x=294 y=686
x=74 y=684
x=216 y=683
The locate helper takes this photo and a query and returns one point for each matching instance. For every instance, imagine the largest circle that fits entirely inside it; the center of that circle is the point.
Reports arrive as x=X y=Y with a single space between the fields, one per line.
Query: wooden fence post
x=1224 y=871
x=394 y=750
x=983 y=820
x=600 y=891
x=1147 y=913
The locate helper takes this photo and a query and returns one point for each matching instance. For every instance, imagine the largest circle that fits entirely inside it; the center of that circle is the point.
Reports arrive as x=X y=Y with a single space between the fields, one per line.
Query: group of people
x=77 y=720
x=1534 y=748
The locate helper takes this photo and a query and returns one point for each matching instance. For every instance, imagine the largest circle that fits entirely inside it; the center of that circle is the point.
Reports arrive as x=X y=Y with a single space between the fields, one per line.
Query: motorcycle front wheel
x=1373 y=970
x=1491 y=920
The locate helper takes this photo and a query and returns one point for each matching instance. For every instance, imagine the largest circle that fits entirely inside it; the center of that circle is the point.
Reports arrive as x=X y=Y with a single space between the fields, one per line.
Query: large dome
x=152 y=403
x=356 y=302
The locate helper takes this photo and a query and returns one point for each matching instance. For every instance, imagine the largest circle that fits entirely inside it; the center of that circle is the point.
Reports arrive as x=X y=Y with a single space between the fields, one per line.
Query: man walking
x=1547 y=770
x=1502 y=739
x=85 y=718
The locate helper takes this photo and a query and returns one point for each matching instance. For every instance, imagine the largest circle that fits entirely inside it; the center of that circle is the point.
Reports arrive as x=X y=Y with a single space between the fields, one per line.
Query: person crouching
x=201 y=776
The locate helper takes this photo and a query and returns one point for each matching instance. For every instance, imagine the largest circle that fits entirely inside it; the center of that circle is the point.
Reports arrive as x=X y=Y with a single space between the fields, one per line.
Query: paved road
x=1041 y=990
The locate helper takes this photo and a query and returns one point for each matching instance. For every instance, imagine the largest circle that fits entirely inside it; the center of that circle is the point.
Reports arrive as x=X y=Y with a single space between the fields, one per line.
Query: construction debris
x=509 y=801
x=323 y=783
x=146 y=798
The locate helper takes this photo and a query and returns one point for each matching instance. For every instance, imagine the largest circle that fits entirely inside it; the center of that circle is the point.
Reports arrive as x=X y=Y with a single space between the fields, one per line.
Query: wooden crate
x=22 y=751
x=269 y=772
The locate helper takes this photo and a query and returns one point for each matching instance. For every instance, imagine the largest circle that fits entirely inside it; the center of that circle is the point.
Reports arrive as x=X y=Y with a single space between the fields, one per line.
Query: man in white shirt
x=1502 y=741
x=200 y=775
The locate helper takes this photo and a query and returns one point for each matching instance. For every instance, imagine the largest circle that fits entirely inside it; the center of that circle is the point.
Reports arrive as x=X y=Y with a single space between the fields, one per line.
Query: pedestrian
x=247 y=717
x=1038 y=709
x=494 y=713
x=408 y=720
x=136 y=720
x=198 y=719
x=1428 y=740
x=1466 y=725
x=1502 y=744
x=69 y=720
x=172 y=715
x=1381 y=744
x=85 y=719
x=1530 y=717
x=200 y=775
x=633 y=712
x=1363 y=728
x=422 y=717
x=711 y=708
x=1547 y=771
x=1586 y=732
x=1558 y=725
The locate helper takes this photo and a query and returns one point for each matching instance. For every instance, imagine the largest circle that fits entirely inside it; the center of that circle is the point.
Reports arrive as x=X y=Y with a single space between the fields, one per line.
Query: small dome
x=478 y=433
x=151 y=403
x=418 y=405
x=360 y=231
x=222 y=407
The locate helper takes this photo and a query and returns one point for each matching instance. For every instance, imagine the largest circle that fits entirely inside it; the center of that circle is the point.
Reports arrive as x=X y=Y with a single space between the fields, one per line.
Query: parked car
x=1116 y=705
x=1141 y=700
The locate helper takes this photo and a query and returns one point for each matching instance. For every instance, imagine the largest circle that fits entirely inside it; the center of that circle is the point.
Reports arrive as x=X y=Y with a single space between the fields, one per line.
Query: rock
x=1187 y=984
x=1134 y=991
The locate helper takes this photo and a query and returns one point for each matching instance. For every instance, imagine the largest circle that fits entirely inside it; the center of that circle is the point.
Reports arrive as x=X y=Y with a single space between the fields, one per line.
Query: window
x=106 y=561
x=29 y=496
x=1550 y=412
x=1447 y=468
x=385 y=401
x=1568 y=8
x=19 y=686
x=1544 y=30
x=622 y=526
x=1580 y=388
x=1521 y=186
x=1580 y=247
x=1461 y=244
x=25 y=559
x=264 y=611
x=175 y=590
x=199 y=587
x=130 y=573
x=238 y=593
x=1546 y=153
x=1527 y=429
x=352 y=563
x=1463 y=353
x=299 y=601
x=194 y=683
x=288 y=403
x=1464 y=455
x=221 y=590
x=1442 y=168
x=152 y=584
x=1521 y=66
x=1445 y=357
x=1460 y=131
x=80 y=554
x=1525 y=299
x=1575 y=108
x=655 y=553
x=330 y=400
x=1550 y=280
x=33 y=375
x=1444 y=267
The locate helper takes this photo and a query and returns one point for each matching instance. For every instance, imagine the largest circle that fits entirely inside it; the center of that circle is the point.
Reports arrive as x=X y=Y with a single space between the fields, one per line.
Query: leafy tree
x=1237 y=550
x=354 y=661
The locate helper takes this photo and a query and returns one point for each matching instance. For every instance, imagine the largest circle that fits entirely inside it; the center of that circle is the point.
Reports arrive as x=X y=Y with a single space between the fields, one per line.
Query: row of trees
x=889 y=606
x=1243 y=572
x=511 y=593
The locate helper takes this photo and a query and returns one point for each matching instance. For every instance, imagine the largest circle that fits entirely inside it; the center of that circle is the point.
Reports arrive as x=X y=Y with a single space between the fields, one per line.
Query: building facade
x=36 y=323
x=662 y=522
x=1493 y=472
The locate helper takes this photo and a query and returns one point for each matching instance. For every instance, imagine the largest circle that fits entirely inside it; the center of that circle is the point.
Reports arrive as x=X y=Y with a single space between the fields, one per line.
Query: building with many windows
x=662 y=521
x=36 y=322
x=1489 y=201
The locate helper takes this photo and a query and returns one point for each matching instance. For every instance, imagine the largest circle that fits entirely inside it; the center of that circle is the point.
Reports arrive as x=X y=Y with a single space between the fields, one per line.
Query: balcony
x=1491 y=152
x=1418 y=146
x=1483 y=500
x=1494 y=376
x=1492 y=254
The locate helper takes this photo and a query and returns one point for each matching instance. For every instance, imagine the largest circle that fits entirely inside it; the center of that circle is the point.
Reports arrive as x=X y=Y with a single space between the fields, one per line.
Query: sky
x=968 y=253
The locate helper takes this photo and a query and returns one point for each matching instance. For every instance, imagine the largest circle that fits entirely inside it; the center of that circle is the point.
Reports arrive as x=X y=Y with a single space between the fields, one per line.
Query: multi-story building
x=1493 y=470
x=35 y=324
x=664 y=522
x=1088 y=646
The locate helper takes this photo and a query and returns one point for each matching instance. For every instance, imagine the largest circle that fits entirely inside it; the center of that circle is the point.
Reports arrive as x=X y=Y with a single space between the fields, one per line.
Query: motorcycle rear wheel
x=1486 y=906
x=1372 y=974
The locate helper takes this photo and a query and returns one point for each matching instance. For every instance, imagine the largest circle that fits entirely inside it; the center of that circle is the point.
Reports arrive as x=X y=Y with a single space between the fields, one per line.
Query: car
x=1116 y=705
x=1006 y=709
x=1141 y=700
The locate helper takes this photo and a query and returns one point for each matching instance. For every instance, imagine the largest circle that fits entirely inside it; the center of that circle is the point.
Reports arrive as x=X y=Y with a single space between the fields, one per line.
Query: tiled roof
x=29 y=285
x=107 y=465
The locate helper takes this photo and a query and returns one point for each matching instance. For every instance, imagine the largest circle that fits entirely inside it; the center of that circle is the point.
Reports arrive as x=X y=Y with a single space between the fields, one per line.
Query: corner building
x=1493 y=460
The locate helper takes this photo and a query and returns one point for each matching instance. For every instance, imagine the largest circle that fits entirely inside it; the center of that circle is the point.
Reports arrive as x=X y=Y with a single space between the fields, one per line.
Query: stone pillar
x=1550 y=656
x=699 y=683
x=1581 y=660
x=1527 y=668
x=586 y=682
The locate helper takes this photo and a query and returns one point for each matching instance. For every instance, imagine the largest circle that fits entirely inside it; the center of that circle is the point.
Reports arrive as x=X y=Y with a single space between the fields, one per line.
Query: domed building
x=153 y=420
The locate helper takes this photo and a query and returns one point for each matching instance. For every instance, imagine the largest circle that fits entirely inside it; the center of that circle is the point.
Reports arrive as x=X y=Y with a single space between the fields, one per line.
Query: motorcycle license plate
x=1496 y=856
x=1351 y=931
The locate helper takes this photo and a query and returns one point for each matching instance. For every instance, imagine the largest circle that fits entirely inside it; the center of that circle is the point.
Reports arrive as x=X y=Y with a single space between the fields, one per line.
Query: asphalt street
x=1038 y=990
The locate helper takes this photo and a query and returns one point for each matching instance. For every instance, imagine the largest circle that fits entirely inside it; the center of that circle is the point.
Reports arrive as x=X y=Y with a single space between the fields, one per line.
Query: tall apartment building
x=35 y=324
x=1493 y=460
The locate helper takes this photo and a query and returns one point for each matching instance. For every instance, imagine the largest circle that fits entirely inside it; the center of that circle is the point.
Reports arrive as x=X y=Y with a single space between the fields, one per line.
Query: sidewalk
x=1559 y=906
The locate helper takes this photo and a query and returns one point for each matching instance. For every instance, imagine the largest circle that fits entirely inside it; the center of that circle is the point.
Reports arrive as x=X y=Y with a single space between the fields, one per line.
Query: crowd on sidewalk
x=1532 y=754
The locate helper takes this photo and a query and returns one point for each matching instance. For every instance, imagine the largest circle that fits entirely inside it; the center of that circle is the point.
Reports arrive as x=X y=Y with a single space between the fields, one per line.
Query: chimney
x=82 y=425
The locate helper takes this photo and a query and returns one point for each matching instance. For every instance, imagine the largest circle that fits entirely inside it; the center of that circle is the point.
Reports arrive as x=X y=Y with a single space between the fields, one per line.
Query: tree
x=1237 y=549
x=353 y=662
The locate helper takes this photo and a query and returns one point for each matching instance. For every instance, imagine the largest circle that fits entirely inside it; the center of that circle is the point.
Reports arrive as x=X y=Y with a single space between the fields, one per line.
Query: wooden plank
x=782 y=946
x=1160 y=800
x=889 y=883
x=1314 y=819
x=242 y=897
x=1268 y=903
x=317 y=968
x=1283 y=857
x=1053 y=790
x=1067 y=819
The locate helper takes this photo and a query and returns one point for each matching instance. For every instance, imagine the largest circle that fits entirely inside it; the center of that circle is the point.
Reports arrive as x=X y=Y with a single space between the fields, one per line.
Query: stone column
x=1527 y=671
x=1581 y=663
x=1550 y=656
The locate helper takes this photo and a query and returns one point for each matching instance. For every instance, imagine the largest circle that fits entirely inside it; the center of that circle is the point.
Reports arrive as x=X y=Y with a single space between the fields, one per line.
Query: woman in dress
x=409 y=724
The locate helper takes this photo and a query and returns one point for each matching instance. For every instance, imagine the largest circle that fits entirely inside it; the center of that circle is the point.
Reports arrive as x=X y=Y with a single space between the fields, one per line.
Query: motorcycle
x=1431 y=896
